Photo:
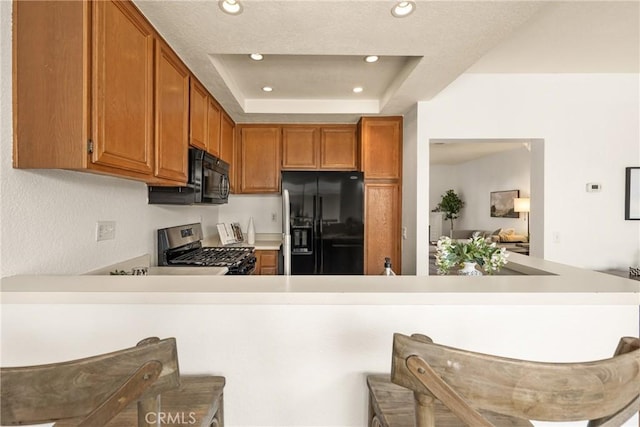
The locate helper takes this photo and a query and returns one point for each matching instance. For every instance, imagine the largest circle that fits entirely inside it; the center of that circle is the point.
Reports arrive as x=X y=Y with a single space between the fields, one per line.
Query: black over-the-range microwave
x=208 y=183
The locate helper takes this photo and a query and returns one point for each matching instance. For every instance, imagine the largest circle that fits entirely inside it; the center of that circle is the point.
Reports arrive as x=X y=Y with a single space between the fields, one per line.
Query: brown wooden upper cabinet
x=214 y=117
x=338 y=147
x=79 y=105
x=199 y=104
x=300 y=147
x=207 y=124
x=319 y=147
x=172 y=115
x=259 y=159
x=228 y=146
x=381 y=147
x=123 y=105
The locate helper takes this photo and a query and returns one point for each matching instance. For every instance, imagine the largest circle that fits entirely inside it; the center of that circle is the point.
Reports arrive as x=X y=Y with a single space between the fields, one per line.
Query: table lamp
x=523 y=204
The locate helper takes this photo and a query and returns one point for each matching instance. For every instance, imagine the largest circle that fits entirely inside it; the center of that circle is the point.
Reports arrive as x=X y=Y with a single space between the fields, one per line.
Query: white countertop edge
x=595 y=288
x=320 y=299
x=562 y=284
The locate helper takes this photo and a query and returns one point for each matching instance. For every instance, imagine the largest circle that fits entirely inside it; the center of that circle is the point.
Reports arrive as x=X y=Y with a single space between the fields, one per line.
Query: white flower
x=450 y=254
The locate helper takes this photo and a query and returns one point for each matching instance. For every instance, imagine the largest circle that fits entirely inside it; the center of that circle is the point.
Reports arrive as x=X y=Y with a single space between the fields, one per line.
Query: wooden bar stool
x=137 y=386
x=434 y=385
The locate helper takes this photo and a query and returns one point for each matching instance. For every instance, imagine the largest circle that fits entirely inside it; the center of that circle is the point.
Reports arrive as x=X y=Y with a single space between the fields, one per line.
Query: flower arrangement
x=450 y=254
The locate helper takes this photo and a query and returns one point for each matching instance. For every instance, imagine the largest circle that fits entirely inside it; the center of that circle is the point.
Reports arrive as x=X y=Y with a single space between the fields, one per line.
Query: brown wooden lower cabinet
x=266 y=263
x=382 y=226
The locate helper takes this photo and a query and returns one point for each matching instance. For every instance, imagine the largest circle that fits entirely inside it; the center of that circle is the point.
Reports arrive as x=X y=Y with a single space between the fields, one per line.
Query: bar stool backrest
x=604 y=391
x=93 y=389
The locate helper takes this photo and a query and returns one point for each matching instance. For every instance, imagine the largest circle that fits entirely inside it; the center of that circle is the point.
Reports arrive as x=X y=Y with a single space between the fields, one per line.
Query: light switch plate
x=593 y=187
x=105 y=230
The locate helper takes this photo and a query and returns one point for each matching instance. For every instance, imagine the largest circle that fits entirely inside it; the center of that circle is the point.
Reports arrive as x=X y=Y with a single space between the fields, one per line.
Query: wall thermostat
x=593 y=187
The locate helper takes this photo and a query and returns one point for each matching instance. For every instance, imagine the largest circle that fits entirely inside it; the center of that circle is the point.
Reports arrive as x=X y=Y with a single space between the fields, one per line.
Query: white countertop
x=561 y=285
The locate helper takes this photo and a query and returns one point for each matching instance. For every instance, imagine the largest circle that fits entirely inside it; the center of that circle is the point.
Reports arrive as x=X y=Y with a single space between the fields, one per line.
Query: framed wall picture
x=632 y=194
x=501 y=203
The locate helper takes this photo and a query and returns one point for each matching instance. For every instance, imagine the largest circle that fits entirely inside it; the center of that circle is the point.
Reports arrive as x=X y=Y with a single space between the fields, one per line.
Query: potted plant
x=469 y=253
x=450 y=205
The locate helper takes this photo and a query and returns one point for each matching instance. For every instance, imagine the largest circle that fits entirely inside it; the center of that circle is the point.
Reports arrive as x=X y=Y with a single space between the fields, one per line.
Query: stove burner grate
x=214 y=257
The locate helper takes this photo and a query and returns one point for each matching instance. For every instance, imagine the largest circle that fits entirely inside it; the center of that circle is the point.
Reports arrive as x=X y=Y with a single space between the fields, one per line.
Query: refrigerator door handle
x=286 y=232
x=320 y=243
x=315 y=231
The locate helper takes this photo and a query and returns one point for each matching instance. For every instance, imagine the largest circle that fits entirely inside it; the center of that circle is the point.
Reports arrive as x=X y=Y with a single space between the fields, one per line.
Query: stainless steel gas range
x=182 y=246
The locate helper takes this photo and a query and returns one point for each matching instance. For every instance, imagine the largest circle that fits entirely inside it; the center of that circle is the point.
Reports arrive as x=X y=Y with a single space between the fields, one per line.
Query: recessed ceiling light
x=403 y=8
x=357 y=89
x=256 y=56
x=371 y=58
x=232 y=7
x=267 y=88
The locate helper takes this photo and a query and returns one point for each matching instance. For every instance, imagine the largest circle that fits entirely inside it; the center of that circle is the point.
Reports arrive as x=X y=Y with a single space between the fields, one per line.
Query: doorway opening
x=476 y=168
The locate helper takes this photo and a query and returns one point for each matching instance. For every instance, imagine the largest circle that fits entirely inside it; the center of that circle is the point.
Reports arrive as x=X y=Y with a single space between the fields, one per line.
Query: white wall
x=474 y=180
x=590 y=124
x=261 y=206
x=442 y=179
x=49 y=216
x=409 y=167
x=306 y=365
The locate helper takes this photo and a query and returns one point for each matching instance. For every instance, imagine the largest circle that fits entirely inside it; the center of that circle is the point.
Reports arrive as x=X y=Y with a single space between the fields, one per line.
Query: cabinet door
x=123 y=87
x=260 y=159
x=269 y=265
x=299 y=147
x=227 y=145
x=198 y=112
x=50 y=77
x=214 y=115
x=381 y=139
x=338 y=148
x=266 y=262
x=382 y=227
x=172 y=115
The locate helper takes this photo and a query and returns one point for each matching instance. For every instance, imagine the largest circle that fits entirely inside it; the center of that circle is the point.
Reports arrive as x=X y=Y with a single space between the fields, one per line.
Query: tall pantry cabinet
x=381 y=157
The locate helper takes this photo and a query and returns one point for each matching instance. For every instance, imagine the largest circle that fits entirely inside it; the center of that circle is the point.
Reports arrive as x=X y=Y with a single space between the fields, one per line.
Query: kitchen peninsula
x=296 y=350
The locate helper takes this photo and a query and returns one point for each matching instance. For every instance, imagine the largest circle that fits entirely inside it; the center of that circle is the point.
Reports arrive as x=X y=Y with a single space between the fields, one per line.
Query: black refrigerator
x=326 y=226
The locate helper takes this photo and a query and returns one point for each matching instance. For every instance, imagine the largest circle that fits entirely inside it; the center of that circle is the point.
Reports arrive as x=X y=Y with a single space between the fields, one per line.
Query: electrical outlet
x=404 y=233
x=105 y=230
x=274 y=217
x=556 y=237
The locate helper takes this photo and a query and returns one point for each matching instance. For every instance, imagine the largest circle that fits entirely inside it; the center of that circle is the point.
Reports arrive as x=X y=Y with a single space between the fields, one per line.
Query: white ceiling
x=456 y=151
x=314 y=48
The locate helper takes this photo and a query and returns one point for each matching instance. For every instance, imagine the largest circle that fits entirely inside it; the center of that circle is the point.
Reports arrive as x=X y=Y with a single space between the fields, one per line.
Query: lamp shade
x=521 y=204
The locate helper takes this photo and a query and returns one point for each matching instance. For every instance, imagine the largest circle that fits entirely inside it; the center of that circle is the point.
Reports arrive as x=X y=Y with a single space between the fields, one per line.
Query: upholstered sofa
x=501 y=235
x=466 y=234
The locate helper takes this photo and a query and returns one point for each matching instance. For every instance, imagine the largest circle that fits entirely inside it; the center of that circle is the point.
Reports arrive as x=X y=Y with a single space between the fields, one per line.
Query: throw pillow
x=513 y=238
